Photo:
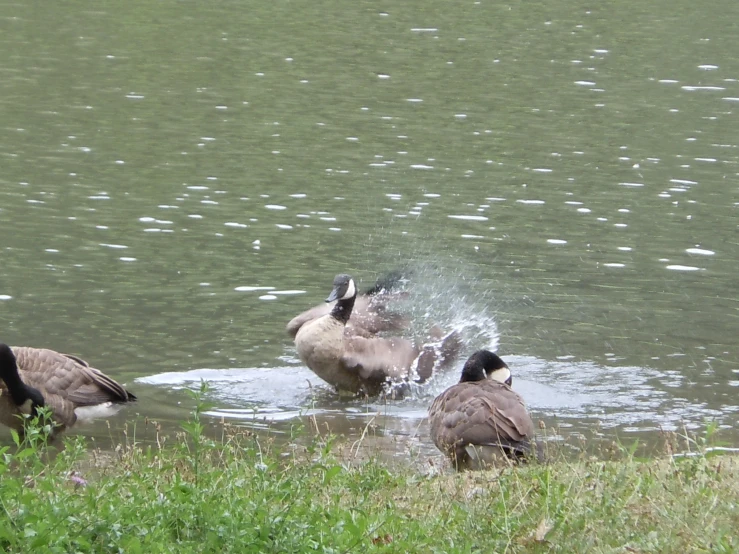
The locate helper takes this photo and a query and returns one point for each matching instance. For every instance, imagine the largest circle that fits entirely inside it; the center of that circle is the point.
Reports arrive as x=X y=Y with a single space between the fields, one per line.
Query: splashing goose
x=34 y=377
x=481 y=417
x=362 y=364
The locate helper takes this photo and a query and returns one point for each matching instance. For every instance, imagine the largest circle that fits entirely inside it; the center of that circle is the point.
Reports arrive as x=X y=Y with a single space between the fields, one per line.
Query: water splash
x=452 y=298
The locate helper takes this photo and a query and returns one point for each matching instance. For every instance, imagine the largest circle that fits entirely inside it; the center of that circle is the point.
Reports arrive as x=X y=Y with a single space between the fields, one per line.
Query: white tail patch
x=351 y=290
x=483 y=456
x=501 y=375
x=106 y=409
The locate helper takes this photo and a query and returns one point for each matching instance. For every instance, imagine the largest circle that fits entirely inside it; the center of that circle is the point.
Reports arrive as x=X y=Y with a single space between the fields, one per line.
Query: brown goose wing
x=309 y=315
x=372 y=313
x=68 y=377
x=482 y=413
x=377 y=358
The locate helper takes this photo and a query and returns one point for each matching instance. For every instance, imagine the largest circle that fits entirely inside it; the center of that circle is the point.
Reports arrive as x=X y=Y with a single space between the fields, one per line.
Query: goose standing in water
x=31 y=378
x=362 y=364
x=481 y=417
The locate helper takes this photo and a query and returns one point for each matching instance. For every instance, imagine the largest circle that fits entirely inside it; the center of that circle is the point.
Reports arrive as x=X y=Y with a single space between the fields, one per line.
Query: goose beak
x=509 y=381
x=333 y=296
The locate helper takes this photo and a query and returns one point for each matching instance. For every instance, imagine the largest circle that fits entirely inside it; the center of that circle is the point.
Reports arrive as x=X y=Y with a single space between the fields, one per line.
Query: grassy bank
x=240 y=493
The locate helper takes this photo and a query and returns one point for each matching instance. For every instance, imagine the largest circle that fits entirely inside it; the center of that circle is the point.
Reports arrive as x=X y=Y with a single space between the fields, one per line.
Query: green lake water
x=179 y=179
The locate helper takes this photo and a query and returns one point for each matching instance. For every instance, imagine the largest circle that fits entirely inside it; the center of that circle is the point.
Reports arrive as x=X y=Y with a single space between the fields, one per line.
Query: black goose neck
x=480 y=365
x=472 y=375
x=343 y=309
x=19 y=391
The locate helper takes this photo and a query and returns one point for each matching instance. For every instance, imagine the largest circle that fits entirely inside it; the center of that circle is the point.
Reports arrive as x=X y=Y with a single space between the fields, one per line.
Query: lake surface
x=562 y=181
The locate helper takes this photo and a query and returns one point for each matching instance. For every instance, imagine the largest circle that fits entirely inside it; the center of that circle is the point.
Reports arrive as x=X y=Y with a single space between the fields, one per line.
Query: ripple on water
x=700 y=251
x=677 y=267
x=252 y=289
x=693 y=88
x=637 y=397
x=263 y=388
x=614 y=395
x=468 y=217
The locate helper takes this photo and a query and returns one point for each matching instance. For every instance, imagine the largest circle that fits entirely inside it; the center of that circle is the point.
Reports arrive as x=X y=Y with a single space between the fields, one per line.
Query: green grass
x=242 y=493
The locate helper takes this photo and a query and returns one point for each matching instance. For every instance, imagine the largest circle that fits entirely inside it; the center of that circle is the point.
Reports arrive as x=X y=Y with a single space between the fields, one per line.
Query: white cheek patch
x=501 y=375
x=351 y=290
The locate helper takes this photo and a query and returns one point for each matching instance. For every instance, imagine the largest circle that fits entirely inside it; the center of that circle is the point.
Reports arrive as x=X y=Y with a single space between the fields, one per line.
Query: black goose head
x=484 y=364
x=345 y=291
x=21 y=393
x=344 y=288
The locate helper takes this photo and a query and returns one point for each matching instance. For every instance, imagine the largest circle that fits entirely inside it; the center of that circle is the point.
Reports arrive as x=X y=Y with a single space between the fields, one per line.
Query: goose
x=370 y=314
x=481 y=417
x=362 y=364
x=31 y=378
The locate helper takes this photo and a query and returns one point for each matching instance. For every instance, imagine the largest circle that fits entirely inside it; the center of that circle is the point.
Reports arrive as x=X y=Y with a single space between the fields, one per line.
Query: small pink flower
x=77 y=480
